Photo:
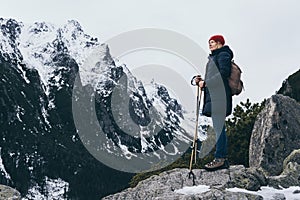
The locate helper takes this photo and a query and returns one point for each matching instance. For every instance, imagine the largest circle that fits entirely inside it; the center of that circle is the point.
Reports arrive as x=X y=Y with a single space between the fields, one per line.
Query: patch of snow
x=92 y=69
x=54 y=189
x=23 y=74
x=2 y=168
x=269 y=193
x=45 y=116
x=126 y=151
x=36 y=48
x=193 y=190
x=19 y=111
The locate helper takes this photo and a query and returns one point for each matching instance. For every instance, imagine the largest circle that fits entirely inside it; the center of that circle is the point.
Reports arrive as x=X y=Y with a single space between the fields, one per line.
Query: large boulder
x=275 y=134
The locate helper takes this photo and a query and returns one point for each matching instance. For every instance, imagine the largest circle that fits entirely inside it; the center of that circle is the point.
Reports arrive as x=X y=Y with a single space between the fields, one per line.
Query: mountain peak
x=9 y=33
x=10 y=28
x=37 y=110
x=39 y=27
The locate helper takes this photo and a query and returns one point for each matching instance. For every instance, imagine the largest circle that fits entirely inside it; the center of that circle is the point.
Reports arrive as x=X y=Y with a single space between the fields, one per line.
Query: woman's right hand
x=201 y=84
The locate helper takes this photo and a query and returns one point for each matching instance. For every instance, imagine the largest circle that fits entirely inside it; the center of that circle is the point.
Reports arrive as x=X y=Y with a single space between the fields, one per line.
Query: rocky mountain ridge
x=44 y=71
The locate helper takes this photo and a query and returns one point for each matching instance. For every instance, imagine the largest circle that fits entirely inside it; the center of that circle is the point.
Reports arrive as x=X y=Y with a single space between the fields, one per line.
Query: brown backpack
x=235 y=82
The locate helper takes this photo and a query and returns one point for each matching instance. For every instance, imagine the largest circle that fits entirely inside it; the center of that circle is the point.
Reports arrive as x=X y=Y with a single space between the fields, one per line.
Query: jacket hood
x=224 y=48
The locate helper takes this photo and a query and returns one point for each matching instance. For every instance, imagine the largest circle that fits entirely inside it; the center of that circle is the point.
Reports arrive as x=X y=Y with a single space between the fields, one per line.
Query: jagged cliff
x=48 y=72
x=40 y=149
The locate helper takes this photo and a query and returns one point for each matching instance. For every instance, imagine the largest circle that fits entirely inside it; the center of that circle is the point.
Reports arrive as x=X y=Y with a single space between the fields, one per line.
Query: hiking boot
x=217 y=163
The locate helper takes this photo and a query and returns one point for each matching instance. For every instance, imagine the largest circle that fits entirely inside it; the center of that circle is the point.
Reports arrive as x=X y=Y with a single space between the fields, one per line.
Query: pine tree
x=239 y=129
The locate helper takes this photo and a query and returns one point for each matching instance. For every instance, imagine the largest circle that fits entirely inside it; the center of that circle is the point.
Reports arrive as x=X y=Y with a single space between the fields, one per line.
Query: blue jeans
x=221 y=145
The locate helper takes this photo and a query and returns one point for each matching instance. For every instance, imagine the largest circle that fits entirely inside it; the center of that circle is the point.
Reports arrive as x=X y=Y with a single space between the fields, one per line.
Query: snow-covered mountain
x=54 y=82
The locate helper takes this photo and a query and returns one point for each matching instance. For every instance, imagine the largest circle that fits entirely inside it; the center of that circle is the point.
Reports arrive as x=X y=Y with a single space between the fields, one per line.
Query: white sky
x=264 y=35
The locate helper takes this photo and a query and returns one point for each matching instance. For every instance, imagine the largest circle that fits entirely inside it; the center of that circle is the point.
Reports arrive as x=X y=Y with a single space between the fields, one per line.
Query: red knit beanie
x=217 y=38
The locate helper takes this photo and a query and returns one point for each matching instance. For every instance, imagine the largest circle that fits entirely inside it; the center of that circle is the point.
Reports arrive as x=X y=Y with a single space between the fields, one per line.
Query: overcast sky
x=264 y=35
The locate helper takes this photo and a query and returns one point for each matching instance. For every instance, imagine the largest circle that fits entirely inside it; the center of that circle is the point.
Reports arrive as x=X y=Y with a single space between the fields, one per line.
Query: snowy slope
x=40 y=42
x=47 y=60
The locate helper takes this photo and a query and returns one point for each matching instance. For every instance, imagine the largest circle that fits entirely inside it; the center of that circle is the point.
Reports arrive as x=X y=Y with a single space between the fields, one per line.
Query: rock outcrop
x=275 y=134
x=167 y=184
x=219 y=184
x=291 y=172
x=9 y=193
x=290 y=86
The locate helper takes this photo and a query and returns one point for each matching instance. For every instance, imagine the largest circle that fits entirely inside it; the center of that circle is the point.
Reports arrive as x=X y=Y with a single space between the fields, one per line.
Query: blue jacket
x=218 y=70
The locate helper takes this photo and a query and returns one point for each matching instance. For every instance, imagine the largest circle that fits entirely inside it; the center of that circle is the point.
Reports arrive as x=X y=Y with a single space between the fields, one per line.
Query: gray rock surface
x=275 y=134
x=163 y=186
x=291 y=172
x=9 y=193
x=293 y=157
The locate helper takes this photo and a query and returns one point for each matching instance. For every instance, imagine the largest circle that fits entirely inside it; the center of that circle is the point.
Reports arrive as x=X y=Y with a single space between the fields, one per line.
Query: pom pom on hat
x=218 y=38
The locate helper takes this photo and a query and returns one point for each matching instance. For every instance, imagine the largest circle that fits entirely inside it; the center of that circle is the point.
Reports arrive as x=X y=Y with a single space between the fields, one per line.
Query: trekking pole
x=194 y=146
x=196 y=127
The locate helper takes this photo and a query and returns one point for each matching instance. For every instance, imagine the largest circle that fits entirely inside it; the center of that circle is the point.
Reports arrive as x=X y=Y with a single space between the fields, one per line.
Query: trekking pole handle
x=193 y=80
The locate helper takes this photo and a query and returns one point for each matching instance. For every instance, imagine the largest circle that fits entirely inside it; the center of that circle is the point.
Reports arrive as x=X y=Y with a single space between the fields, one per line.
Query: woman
x=217 y=96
